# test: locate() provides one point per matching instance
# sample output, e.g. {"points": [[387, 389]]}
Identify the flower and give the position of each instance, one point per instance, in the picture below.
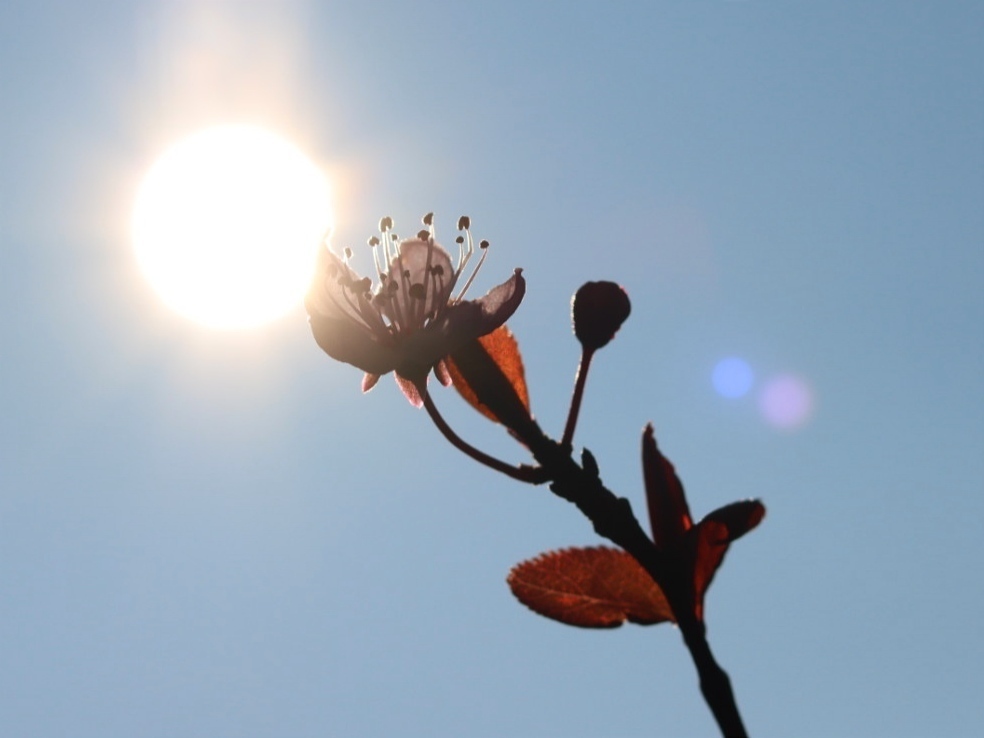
{"points": [[412, 319], [696, 551]]}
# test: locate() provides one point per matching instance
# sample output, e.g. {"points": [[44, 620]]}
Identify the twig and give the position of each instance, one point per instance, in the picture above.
{"points": [[526, 474]]}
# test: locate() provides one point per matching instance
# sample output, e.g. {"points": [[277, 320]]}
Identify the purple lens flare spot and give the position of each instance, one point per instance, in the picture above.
{"points": [[786, 402]]}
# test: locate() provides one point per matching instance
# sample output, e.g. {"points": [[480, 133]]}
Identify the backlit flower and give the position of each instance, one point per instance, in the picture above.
{"points": [[413, 318]]}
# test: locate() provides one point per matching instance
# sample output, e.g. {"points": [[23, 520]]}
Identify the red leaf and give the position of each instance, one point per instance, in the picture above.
{"points": [[492, 375], [669, 514], [713, 536], [596, 587], [738, 517]]}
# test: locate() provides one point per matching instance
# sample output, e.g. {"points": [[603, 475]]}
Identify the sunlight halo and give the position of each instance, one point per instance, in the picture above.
{"points": [[227, 223]]}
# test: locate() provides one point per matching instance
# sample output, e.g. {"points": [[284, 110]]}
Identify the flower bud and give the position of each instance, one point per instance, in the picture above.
{"points": [[598, 310]]}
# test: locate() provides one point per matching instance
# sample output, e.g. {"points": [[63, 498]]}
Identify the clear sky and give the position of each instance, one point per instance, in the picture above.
{"points": [[215, 534]]}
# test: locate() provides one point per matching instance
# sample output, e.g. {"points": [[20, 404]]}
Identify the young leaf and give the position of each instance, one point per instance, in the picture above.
{"points": [[597, 587], [669, 514], [488, 373], [713, 536], [739, 517]]}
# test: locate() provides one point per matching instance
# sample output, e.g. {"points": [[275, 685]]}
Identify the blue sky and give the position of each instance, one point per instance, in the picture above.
{"points": [[216, 534]]}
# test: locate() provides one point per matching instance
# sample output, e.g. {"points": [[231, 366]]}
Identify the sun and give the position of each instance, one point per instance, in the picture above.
{"points": [[227, 223]]}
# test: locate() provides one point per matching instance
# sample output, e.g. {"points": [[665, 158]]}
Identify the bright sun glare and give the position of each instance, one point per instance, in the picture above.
{"points": [[227, 224]]}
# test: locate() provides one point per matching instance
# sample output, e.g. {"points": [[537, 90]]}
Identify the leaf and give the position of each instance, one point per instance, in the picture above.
{"points": [[669, 514], [597, 587], [738, 517], [489, 375], [713, 536]]}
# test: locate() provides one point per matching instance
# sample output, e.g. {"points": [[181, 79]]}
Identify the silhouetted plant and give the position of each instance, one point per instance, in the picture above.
{"points": [[413, 324]]}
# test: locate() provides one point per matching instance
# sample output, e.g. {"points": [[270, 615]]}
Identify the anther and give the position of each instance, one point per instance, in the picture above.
{"points": [[348, 253], [483, 244], [428, 219], [464, 223], [385, 224], [459, 240], [418, 291], [423, 235], [373, 241]]}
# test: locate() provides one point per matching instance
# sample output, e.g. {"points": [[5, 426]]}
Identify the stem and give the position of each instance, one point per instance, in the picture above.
{"points": [[613, 518], [523, 474], [714, 682], [582, 376]]}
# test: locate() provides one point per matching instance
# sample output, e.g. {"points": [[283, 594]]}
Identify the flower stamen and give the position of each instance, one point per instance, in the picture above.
{"points": [[484, 246], [354, 291]]}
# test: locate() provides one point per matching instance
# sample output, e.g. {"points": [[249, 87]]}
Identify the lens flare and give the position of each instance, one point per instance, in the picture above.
{"points": [[786, 402], [732, 377]]}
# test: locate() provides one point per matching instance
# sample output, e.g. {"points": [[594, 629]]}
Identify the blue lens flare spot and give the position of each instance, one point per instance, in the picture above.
{"points": [[732, 377]]}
